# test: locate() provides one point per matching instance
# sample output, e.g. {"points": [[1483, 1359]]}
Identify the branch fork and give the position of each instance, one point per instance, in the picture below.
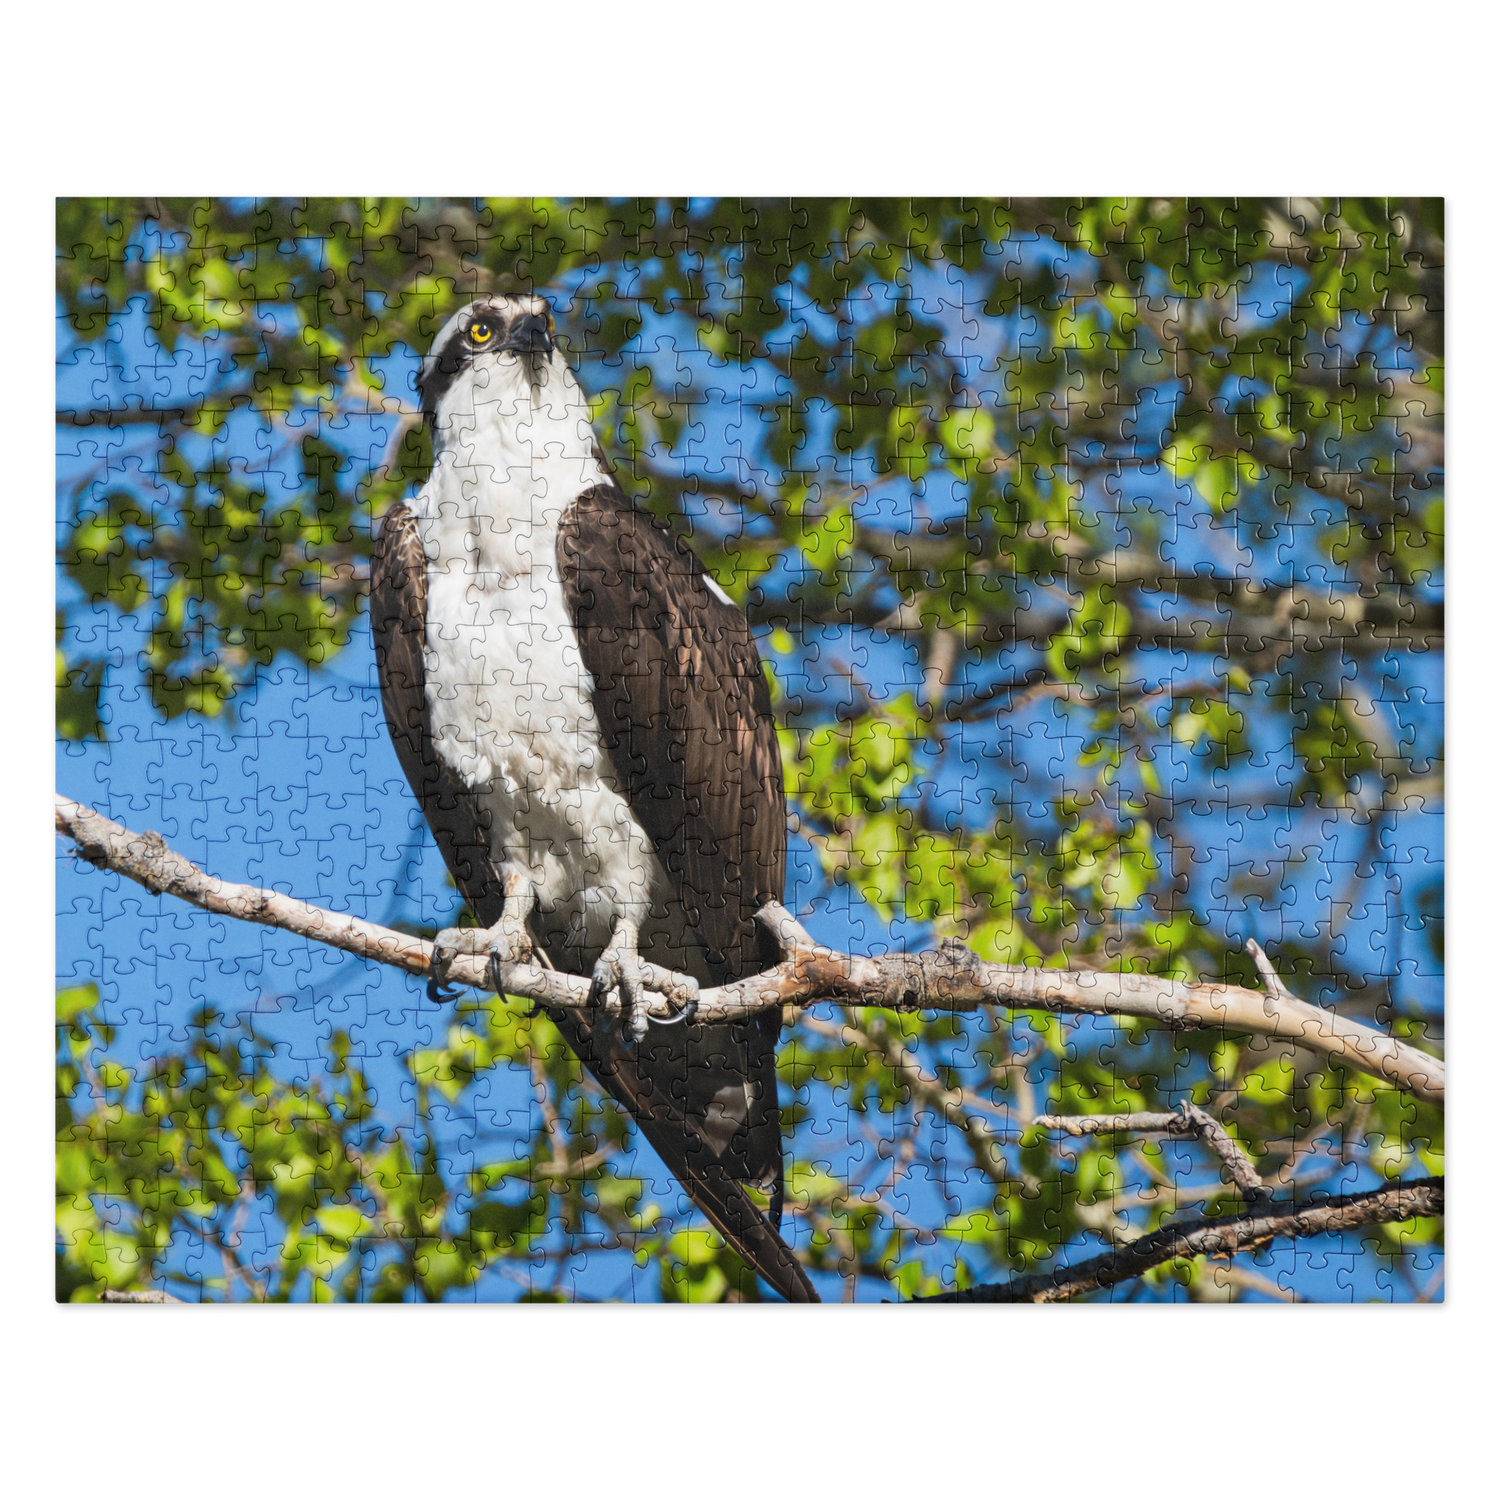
{"points": [[1190, 1120]]}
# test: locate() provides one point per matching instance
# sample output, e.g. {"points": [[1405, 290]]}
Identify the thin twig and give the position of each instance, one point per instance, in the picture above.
{"points": [[1268, 974], [1181, 1192], [568, 1171], [1190, 1119], [556, 1137], [1228, 1150], [1255, 1282], [954, 1104]]}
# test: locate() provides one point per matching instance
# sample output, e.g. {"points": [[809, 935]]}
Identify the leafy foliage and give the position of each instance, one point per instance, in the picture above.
{"points": [[287, 1190], [197, 1145], [1154, 485]]}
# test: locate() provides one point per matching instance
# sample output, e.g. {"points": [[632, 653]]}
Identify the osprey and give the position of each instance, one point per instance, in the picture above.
{"points": [[581, 713]]}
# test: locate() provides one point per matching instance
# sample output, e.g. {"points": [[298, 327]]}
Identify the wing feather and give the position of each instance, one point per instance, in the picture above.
{"points": [[686, 715]]}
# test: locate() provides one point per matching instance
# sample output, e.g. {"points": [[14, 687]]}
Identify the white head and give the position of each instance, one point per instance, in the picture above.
{"points": [[496, 361]]}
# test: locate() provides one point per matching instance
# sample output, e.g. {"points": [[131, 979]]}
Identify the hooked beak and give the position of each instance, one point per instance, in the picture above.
{"points": [[529, 334]]}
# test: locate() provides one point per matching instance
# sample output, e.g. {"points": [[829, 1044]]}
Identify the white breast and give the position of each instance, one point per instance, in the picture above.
{"points": [[509, 697]]}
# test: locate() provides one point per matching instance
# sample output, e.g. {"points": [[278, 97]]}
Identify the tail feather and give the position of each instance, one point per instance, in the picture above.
{"points": [[747, 1231], [722, 1200]]}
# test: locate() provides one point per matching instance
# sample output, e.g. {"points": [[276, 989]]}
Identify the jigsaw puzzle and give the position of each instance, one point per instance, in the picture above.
{"points": [[721, 750]]}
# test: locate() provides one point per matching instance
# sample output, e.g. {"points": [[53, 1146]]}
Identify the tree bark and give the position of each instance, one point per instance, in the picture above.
{"points": [[949, 978]]}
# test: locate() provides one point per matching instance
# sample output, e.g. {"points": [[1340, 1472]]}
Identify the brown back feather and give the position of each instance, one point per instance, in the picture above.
{"points": [[686, 715]]}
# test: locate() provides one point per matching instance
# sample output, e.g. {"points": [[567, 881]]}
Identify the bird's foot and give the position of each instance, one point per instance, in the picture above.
{"points": [[620, 967], [507, 942]]}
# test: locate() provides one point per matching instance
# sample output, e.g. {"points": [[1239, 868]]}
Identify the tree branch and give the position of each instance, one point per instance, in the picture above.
{"points": [[1191, 1120], [1217, 1237], [1267, 971], [950, 978]]}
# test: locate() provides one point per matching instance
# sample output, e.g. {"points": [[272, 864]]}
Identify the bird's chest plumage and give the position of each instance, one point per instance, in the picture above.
{"points": [[511, 701]]}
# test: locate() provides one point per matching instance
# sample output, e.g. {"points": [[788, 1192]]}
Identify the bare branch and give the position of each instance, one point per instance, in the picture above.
{"points": [[950, 978], [1217, 1237], [1229, 1151], [113, 1296], [1142, 1124], [1190, 1120], [1269, 977], [146, 859]]}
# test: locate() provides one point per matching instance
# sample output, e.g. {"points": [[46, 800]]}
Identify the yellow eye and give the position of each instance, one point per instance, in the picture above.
{"points": [[480, 332]]}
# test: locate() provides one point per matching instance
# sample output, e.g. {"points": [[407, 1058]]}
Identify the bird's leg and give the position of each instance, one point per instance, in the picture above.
{"points": [[507, 942], [621, 967]]}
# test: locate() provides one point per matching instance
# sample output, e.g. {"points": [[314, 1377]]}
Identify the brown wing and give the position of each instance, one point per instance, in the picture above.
{"points": [[685, 712], [686, 715], [642, 1084]]}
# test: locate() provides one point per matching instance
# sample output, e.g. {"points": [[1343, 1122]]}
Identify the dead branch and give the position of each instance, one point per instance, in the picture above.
{"points": [[1141, 1124], [1216, 1237], [113, 1296], [1190, 1120], [1267, 970], [949, 978], [1229, 1151]]}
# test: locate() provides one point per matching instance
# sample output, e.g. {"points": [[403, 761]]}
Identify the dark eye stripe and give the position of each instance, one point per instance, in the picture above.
{"points": [[455, 356]]}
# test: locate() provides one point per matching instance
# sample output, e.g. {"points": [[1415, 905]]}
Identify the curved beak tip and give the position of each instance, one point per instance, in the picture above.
{"points": [[530, 335]]}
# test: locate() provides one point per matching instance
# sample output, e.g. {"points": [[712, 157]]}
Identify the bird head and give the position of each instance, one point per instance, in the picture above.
{"points": [[489, 343]]}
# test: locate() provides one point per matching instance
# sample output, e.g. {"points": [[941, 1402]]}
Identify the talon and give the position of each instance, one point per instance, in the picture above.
{"points": [[601, 983], [446, 946], [620, 966], [507, 942], [689, 1000], [633, 996], [619, 969], [439, 993]]}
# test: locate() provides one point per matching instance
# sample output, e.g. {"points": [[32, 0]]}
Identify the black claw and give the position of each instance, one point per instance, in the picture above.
{"points": [[497, 979], [438, 993], [686, 1014], [494, 975]]}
